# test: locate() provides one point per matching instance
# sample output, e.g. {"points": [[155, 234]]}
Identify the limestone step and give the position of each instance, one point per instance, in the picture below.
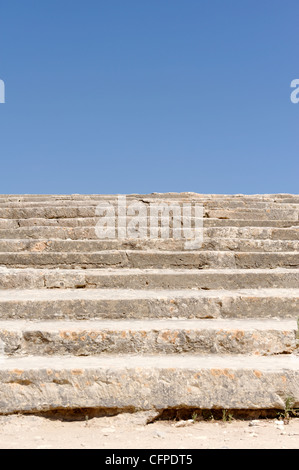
{"points": [[86, 304], [141, 382], [84, 338], [54, 211], [153, 194], [88, 246], [89, 233], [211, 198], [212, 227], [151, 259], [30, 278], [93, 221], [90, 222], [208, 204]]}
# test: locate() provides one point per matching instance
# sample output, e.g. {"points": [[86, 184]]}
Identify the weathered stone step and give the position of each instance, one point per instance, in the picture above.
{"points": [[67, 211], [133, 382], [30, 278], [90, 222], [83, 338], [89, 233], [209, 204], [219, 229], [93, 221], [87, 246], [151, 259], [85, 304], [279, 198]]}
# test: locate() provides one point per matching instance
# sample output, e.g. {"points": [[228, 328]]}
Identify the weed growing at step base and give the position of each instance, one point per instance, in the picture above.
{"points": [[206, 415], [289, 410], [226, 416]]}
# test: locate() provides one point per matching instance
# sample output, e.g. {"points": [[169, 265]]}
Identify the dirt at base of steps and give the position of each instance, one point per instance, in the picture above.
{"points": [[129, 431]]}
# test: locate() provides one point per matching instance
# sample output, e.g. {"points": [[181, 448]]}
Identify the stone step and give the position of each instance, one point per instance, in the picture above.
{"points": [[151, 259], [84, 338], [86, 304], [89, 233], [87, 246], [210, 279], [68, 211], [278, 198], [91, 222], [209, 204], [141, 382], [282, 230]]}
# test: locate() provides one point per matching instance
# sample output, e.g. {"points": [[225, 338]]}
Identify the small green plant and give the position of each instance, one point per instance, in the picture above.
{"points": [[226, 416], [289, 410], [205, 415], [289, 403]]}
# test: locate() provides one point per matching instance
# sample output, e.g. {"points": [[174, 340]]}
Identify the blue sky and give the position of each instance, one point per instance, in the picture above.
{"points": [[123, 96]]}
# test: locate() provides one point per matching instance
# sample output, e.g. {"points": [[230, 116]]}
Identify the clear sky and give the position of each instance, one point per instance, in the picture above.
{"points": [[123, 96]]}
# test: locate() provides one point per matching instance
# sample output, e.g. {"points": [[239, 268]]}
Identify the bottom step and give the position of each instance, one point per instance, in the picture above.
{"points": [[34, 384]]}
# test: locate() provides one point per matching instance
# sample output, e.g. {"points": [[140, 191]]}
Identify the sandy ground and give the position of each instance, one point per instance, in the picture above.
{"points": [[127, 431]]}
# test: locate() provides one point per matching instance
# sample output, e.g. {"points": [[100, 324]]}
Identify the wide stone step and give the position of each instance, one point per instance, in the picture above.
{"points": [[86, 304], [273, 231], [141, 382], [153, 194], [29, 278], [83, 338], [211, 198], [209, 204], [218, 229], [87, 246], [68, 211], [151, 259], [93, 221], [90, 222]]}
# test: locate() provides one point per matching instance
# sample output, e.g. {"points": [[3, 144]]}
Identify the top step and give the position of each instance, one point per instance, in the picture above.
{"points": [[155, 194], [185, 196], [171, 198]]}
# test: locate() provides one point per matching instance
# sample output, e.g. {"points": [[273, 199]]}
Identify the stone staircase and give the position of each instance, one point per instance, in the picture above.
{"points": [[144, 324]]}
